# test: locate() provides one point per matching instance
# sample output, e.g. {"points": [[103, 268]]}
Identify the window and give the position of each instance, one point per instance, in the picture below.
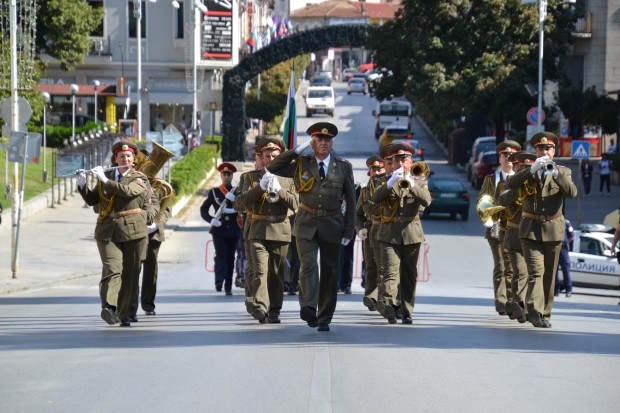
{"points": [[179, 24], [133, 27], [99, 30]]}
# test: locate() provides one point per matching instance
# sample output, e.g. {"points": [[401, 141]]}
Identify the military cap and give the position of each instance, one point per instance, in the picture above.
{"points": [[375, 161], [385, 151], [544, 138], [525, 157], [508, 147], [227, 167], [325, 129], [268, 143], [124, 146], [402, 149]]}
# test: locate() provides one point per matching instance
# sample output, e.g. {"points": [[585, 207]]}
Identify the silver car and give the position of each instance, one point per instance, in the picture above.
{"points": [[356, 85]]}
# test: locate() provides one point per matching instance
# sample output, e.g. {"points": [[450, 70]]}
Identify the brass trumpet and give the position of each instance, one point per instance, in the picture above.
{"points": [[486, 207], [272, 194], [401, 187]]}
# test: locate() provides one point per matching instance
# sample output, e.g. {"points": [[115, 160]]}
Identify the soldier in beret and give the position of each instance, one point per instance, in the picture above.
{"points": [[224, 228], [125, 208], [323, 182], [493, 186], [366, 224], [544, 185], [270, 200], [511, 199]]}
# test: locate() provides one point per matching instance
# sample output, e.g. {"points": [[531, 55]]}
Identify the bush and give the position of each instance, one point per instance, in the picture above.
{"points": [[189, 171]]}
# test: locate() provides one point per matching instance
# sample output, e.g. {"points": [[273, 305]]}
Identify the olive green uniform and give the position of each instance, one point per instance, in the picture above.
{"points": [[319, 225], [400, 235], [124, 211], [246, 182], [269, 235], [542, 231]]}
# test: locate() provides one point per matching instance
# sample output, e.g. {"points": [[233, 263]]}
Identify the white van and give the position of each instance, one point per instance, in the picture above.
{"points": [[392, 114], [320, 99]]}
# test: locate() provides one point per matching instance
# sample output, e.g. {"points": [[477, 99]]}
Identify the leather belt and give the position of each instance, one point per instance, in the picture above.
{"points": [[320, 212], [270, 218], [542, 218], [403, 219], [376, 221], [120, 214], [513, 225]]}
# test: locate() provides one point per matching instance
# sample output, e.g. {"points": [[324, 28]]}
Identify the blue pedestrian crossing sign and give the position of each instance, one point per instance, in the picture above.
{"points": [[580, 150]]}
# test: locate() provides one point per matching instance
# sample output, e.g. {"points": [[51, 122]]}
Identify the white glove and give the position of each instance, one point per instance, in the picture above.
{"points": [[396, 175], [538, 163], [151, 228], [345, 242], [216, 223], [264, 181], [362, 234], [230, 196], [411, 180], [276, 185], [300, 148], [98, 170], [81, 178], [230, 211]]}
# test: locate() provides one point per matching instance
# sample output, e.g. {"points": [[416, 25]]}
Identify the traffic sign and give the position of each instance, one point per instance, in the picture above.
{"points": [[581, 150], [24, 143], [533, 114]]}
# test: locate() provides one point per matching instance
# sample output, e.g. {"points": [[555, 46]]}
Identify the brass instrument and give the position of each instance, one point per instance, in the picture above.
{"points": [[272, 194], [420, 170], [401, 187], [549, 167], [486, 207], [150, 166]]}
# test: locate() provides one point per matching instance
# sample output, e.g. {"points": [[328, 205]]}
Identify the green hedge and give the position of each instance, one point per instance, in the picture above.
{"points": [[189, 171]]}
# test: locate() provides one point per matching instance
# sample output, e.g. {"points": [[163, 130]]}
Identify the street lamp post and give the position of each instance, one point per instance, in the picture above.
{"points": [[199, 8], [542, 15], [96, 84], [74, 90], [46, 99]]}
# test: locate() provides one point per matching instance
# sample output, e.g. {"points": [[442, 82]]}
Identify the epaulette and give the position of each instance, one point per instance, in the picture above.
{"points": [[560, 166], [342, 160], [139, 173]]}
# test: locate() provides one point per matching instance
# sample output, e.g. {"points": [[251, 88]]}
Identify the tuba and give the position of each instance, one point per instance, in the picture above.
{"points": [[150, 166], [486, 207]]}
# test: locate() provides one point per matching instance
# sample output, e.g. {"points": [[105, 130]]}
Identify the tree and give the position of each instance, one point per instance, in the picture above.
{"points": [[460, 57], [63, 30]]}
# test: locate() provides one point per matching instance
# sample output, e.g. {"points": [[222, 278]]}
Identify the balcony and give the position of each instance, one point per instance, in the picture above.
{"points": [[583, 27], [100, 46]]}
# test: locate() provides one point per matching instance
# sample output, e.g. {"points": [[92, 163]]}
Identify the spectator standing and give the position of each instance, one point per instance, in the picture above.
{"points": [[604, 167], [586, 176], [564, 263]]}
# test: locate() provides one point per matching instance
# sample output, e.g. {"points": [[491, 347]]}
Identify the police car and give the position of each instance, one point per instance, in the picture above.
{"points": [[591, 261]]}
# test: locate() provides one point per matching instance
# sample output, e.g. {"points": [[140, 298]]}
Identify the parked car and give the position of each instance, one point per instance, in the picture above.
{"points": [[320, 80], [419, 149], [591, 261], [347, 74], [356, 85], [486, 164], [449, 197], [328, 75], [397, 132], [481, 144]]}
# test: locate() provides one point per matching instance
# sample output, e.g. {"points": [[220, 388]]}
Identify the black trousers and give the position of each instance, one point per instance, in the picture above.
{"points": [[225, 249]]}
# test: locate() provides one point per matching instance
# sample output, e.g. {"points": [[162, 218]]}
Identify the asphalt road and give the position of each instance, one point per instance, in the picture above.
{"points": [[203, 353]]}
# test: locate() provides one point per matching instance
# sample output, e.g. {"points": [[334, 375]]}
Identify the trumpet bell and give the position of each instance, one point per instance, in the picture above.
{"points": [[420, 169], [486, 208]]}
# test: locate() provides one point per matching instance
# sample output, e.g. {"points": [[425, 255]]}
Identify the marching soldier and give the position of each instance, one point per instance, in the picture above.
{"points": [[224, 228], [492, 186], [323, 182], [270, 232], [367, 222], [400, 234], [125, 210], [512, 199], [246, 182], [544, 185]]}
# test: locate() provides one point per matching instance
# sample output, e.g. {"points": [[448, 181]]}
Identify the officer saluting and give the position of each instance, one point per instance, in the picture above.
{"points": [[224, 227], [323, 182], [544, 185]]}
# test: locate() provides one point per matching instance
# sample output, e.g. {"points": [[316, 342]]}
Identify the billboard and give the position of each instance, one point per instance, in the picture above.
{"points": [[219, 40]]}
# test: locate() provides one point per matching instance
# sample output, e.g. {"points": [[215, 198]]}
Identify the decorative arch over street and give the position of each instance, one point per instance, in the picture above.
{"points": [[233, 111]]}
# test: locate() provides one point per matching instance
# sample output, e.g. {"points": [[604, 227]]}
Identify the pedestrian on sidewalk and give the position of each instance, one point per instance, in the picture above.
{"points": [[604, 167]]}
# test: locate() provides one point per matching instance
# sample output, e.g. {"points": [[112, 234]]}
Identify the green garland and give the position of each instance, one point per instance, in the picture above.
{"points": [[233, 111]]}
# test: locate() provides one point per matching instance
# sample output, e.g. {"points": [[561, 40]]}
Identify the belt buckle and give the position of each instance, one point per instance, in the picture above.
{"points": [[272, 218], [320, 212]]}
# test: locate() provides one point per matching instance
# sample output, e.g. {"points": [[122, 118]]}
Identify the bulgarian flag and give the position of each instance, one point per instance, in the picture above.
{"points": [[290, 119]]}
